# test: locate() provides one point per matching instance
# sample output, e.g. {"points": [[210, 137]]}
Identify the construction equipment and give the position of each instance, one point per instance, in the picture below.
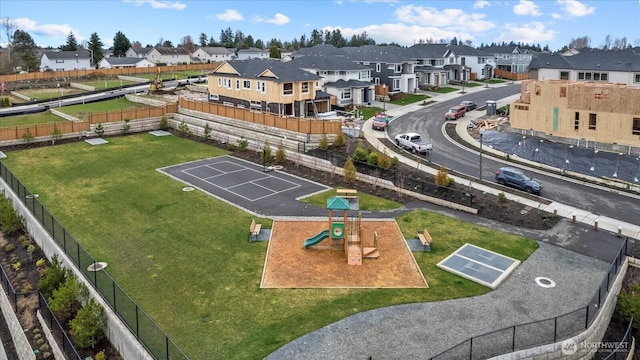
{"points": [[156, 84]]}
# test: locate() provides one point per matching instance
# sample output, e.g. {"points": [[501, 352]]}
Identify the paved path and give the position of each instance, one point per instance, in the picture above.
{"points": [[575, 256]]}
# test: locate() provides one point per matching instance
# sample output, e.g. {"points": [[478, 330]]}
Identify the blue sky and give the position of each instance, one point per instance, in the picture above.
{"points": [[545, 22]]}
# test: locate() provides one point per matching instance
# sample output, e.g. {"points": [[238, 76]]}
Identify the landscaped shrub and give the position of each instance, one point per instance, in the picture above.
{"points": [[99, 130], [339, 141], [53, 277], [27, 137], [56, 135], [243, 143], [629, 304], [184, 130], [265, 155], [126, 127], [281, 154], [350, 172], [384, 160], [502, 198], [442, 177], [372, 159], [324, 142], [9, 248], [66, 298], [206, 134], [164, 123], [10, 221], [360, 154], [87, 327]]}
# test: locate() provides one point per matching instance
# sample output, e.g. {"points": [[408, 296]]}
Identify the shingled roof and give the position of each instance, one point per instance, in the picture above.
{"points": [[590, 59], [254, 68]]}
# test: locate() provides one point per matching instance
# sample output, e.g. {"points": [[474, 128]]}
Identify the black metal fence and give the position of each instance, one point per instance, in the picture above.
{"points": [[401, 179], [139, 323], [537, 333], [66, 346], [619, 350]]}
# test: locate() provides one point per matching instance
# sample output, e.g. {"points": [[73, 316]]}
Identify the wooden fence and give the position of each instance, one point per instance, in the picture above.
{"points": [[304, 126], [511, 75], [204, 68], [132, 114], [38, 130]]}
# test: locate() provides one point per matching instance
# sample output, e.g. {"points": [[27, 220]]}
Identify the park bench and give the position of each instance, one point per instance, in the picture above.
{"points": [[425, 239], [254, 229], [347, 193]]}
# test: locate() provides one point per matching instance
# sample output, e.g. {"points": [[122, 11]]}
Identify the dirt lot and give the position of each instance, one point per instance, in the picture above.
{"points": [[290, 265]]}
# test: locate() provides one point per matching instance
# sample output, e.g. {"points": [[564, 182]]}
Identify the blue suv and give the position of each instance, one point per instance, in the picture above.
{"points": [[518, 179]]}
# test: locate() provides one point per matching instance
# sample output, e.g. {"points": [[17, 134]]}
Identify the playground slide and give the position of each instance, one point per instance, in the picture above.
{"points": [[316, 239]]}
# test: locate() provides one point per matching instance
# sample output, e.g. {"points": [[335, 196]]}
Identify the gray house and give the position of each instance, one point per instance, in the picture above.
{"points": [[65, 60]]}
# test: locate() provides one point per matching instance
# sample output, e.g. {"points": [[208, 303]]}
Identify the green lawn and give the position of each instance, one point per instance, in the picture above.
{"points": [[445, 89], [82, 111], [366, 202], [107, 84], [53, 93], [44, 117], [185, 258], [410, 99]]}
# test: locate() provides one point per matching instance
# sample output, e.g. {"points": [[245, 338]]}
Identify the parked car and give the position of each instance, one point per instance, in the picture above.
{"points": [[518, 179], [413, 142], [380, 122], [455, 112], [469, 105]]}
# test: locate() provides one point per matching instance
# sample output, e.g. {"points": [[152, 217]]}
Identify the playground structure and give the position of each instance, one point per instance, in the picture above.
{"points": [[347, 233]]}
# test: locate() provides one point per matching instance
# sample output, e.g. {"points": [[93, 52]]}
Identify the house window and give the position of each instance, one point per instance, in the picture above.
{"points": [[237, 84], [576, 121], [219, 82], [226, 103], [246, 84], [378, 67], [59, 61], [256, 104], [563, 91], [396, 84], [240, 106], [261, 86], [398, 68], [365, 63], [287, 89], [636, 78], [564, 75], [604, 77], [214, 97], [592, 121], [376, 81], [305, 88], [580, 76], [636, 126], [346, 93]]}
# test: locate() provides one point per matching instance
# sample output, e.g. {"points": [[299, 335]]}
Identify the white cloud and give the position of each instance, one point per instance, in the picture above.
{"points": [[526, 7], [480, 4], [531, 33], [278, 19], [47, 30], [230, 15], [556, 15], [403, 34], [575, 8], [449, 19], [158, 4]]}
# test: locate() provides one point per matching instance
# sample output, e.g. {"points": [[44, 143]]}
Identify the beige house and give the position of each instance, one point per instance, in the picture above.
{"points": [[268, 85], [579, 112]]}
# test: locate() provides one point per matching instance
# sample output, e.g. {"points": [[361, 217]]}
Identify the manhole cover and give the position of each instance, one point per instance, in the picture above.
{"points": [[188, 188], [97, 266], [545, 282]]}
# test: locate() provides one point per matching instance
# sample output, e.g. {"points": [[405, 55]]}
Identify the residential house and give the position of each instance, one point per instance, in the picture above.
{"points": [[169, 55], [509, 58], [253, 53], [429, 67], [124, 62], [208, 54], [465, 62], [140, 53], [579, 112], [347, 81], [610, 66], [267, 85], [391, 67], [65, 60]]}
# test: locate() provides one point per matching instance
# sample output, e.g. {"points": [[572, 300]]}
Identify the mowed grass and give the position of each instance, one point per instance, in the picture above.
{"points": [[45, 117], [82, 111], [185, 258], [52, 93], [107, 84], [366, 202]]}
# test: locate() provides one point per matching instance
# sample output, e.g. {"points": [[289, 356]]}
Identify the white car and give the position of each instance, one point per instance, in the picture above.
{"points": [[413, 142]]}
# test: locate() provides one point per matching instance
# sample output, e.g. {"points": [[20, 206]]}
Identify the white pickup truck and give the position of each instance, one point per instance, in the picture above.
{"points": [[413, 142]]}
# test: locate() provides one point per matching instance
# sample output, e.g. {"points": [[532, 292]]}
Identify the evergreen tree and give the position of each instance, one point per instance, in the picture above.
{"points": [[202, 39], [95, 45], [120, 44], [71, 45]]}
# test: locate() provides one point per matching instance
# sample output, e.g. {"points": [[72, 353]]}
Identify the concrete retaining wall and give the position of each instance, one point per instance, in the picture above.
{"points": [[23, 348], [82, 86], [55, 349], [145, 100], [117, 332], [64, 116], [593, 334], [134, 79]]}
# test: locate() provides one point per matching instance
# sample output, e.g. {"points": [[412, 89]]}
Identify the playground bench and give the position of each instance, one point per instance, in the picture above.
{"points": [[425, 239], [254, 229]]}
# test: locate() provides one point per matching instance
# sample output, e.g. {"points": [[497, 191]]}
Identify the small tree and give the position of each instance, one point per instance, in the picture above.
{"points": [[266, 152], [372, 159], [65, 299], [281, 154], [164, 123], [339, 140], [384, 160], [27, 137], [324, 142], [629, 304], [56, 135], [126, 127], [350, 171], [184, 129], [10, 220], [206, 134], [442, 177], [99, 130], [53, 277], [87, 327], [243, 143]]}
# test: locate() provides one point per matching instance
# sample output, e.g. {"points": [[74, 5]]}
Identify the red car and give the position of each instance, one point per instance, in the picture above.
{"points": [[455, 112], [380, 122]]}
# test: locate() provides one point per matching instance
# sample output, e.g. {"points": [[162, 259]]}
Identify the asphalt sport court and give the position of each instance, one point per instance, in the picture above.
{"points": [[242, 183]]}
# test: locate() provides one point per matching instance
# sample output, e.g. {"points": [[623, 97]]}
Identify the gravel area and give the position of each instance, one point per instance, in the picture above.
{"points": [[419, 331]]}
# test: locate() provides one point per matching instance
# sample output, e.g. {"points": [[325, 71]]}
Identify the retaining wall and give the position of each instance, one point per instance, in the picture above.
{"points": [[23, 348]]}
